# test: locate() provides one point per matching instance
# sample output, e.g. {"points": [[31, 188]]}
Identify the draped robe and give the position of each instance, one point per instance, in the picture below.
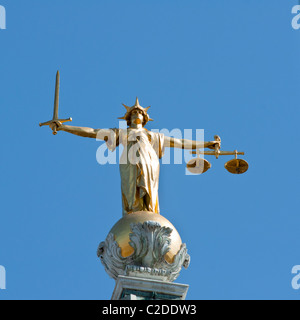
{"points": [[139, 167]]}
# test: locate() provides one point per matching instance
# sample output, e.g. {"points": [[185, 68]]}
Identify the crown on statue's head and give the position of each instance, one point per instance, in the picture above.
{"points": [[137, 105]]}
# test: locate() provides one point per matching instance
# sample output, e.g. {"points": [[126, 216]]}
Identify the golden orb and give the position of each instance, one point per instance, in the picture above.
{"points": [[121, 231]]}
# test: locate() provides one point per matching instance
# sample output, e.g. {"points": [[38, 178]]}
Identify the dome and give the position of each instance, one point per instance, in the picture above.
{"points": [[121, 231]]}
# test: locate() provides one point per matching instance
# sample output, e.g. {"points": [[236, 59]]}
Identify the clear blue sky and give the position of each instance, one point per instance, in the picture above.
{"points": [[229, 67]]}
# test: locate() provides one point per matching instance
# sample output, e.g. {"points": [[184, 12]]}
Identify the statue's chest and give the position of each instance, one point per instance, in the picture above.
{"points": [[132, 137]]}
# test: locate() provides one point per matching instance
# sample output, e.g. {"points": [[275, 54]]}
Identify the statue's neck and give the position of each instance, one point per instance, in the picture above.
{"points": [[136, 126]]}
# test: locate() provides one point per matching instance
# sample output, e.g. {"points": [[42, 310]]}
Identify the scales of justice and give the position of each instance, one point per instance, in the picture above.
{"points": [[143, 251]]}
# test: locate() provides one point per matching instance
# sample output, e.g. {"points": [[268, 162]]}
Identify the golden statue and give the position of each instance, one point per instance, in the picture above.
{"points": [[143, 242], [139, 163]]}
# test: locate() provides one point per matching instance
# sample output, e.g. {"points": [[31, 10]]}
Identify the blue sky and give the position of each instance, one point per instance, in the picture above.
{"points": [[228, 67]]}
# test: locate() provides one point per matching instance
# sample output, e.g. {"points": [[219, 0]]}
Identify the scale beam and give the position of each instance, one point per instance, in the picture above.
{"points": [[221, 153]]}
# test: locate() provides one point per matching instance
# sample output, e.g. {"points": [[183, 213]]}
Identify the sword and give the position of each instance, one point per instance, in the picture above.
{"points": [[56, 104]]}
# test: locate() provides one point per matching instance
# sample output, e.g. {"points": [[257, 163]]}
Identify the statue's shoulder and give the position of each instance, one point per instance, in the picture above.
{"points": [[119, 131], [155, 133]]}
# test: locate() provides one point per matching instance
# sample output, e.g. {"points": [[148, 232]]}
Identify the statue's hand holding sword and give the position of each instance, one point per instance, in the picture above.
{"points": [[55, 123]]}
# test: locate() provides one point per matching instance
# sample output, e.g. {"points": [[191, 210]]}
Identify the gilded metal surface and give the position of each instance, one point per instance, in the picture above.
{"points": [[139, 166], [217, 146], [237, 166], [198, 165], [130, 110], [121, 231], [139, 180], [150, 242], [220, 153], [53, 123], [56, 96]]}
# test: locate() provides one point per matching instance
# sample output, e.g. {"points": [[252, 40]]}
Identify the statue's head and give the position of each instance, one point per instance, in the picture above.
{"points": [[136, 114]]}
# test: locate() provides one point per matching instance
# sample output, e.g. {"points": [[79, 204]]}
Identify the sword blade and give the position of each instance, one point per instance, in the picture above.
{"points": [[56, 98]]}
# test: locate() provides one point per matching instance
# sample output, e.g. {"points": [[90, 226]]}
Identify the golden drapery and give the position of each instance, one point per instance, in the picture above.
{"points": [[139, 167]]}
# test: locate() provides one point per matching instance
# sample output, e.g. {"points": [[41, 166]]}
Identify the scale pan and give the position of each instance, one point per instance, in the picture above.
{"points": [[237, 166], [198, 166]]}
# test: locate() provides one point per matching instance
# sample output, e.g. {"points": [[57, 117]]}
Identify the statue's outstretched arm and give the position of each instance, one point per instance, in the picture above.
{"points": [[188, 144], [82, 131]]}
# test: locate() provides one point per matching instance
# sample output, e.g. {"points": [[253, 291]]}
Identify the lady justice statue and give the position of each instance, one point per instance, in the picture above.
{"points": [[139, 163], [143, 251]]}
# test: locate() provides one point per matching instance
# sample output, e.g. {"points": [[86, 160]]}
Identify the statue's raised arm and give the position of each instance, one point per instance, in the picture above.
{"points": [[81, 131], [190, 144]]}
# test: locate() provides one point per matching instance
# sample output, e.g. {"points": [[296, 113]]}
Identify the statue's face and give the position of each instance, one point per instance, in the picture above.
{"points": [[137, 116]]}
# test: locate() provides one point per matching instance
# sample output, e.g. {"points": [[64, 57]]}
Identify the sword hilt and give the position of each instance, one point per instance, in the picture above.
{"points": [[53, 121]]}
